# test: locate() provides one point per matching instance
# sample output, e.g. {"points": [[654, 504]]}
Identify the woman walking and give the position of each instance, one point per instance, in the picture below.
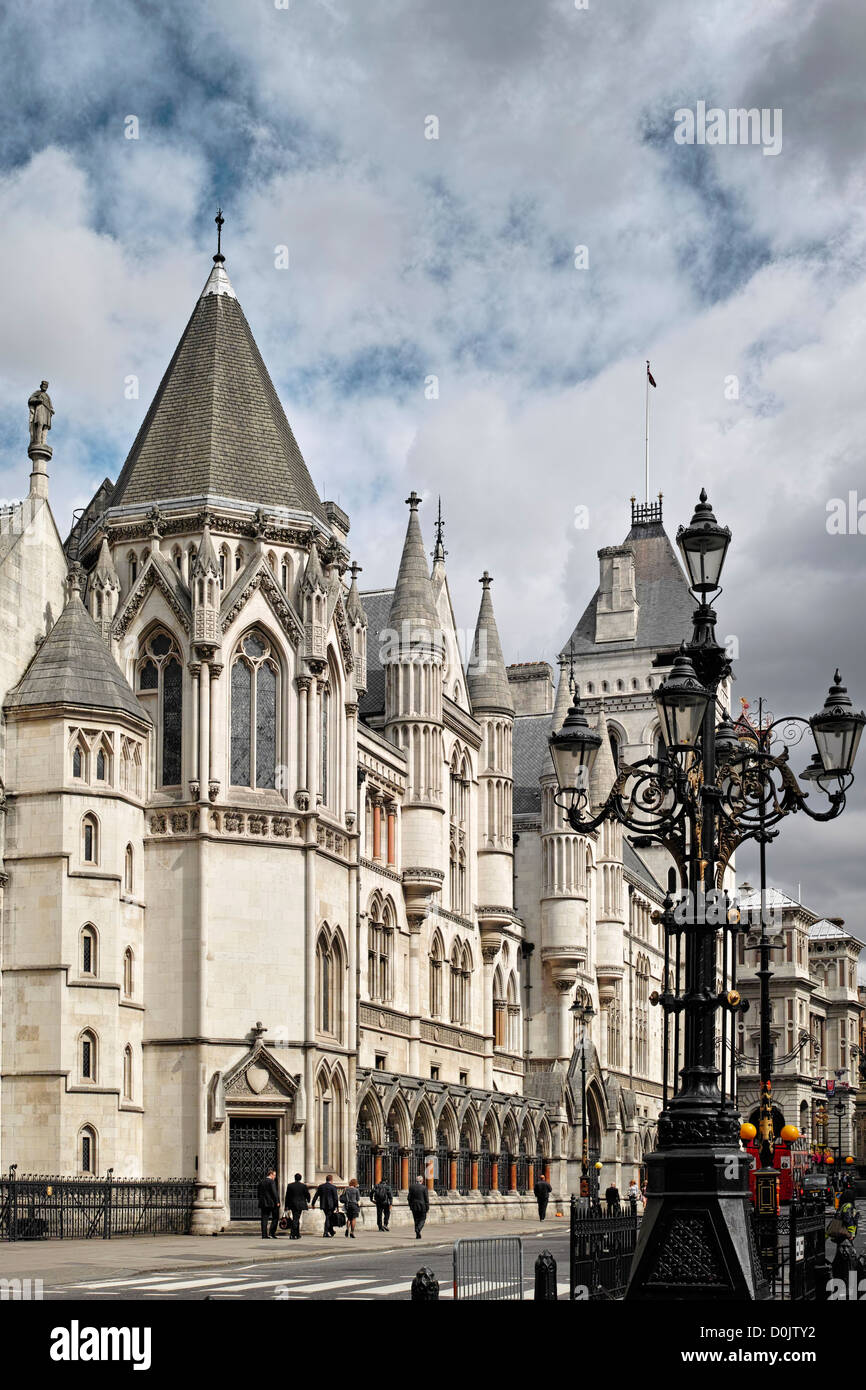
{"points": [[351, 1202]]}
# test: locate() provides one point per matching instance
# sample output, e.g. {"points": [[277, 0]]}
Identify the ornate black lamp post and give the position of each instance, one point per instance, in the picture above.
{"points": [[584, 1012], [709, 793]]}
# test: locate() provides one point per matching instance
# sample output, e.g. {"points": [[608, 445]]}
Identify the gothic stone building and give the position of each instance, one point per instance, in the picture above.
{"points": [[281, 878]]}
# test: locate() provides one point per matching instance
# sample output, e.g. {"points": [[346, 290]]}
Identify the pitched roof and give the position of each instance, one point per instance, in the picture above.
{"points": [[531, 760], [216, 426], [665, 606], [634, 864], [74, 666], [377, 607], [486, 677]]}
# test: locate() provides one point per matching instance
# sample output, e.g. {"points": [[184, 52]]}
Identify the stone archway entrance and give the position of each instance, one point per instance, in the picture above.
{"points": [[254, 1148]]}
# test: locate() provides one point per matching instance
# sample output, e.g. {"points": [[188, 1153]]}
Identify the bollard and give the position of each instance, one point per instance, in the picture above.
{"points": [[425, 1286], [545, 1276]]}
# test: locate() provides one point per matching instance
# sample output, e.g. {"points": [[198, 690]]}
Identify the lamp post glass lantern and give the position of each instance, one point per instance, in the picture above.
{"points": [[709, 792]]}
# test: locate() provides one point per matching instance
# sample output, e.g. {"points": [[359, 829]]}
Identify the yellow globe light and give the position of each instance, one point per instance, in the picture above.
{"points": [[829, 1159], [747, 1132], [789, 1133], [598, 1167], [849, 1159]]}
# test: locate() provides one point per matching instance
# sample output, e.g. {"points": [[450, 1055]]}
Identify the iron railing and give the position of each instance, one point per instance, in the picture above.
{"points": [[488, 1269], [601, 1250], [791, 1249], [45, 1207]]}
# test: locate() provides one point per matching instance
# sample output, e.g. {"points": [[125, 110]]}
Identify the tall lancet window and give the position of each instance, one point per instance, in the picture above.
{"points": [[254, 695], [160, 674], [326, 744]]}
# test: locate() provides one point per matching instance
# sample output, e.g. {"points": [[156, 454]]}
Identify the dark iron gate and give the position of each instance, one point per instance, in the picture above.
{"points": [[253, 1149], [464, 1167], [485, 1170], [35, 1207], [601, 1250], [791, 1248]]}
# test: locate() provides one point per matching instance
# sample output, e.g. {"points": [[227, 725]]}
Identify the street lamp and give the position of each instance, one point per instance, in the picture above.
{"points": [[710, 792], [584, 1012]]}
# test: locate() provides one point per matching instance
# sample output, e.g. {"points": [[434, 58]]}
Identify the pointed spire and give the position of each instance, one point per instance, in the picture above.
{"points": [[206, 561], [604, 767], [564, 689], [439, 551], [486, 676], [354, 608], [105, 575], [313, 575], [413, 592]]}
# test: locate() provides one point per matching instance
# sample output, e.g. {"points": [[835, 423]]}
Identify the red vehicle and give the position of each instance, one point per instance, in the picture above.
{"points": [[793, 1161]]}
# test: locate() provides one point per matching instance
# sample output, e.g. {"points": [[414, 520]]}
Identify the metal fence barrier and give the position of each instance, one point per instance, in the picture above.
{"points": [[601, 1250], [791, 1248], [488, 1268], [43, 1207]]}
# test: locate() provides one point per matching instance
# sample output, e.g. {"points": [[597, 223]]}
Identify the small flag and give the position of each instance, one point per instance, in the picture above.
{"points": [[649, 376]]}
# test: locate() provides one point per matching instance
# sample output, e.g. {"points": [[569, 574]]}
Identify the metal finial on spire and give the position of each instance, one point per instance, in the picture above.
{"points": [[413, 501], [439, 551], [219, 258], [571, 680], [486, 580], [355, 569]]}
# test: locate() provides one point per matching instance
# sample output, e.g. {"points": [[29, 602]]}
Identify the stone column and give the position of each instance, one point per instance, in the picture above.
{"points": [[404, 1170], [303, 718], [564, 988], [313, 742], [494, 1175], [512, 1175], [196, 787], [377, 826], [377, 1165], [488, 956], [530, 1175], [414, 994], [204, 728], [213, 783], [452, 1172], [473, 1180], [429, 1156], [392, 835]]}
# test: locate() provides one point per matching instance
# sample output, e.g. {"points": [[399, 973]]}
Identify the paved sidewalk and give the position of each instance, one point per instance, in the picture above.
{"points": [[65, 1261]]}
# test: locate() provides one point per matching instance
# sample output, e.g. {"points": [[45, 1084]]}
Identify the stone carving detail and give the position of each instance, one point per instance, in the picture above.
{"points": [[263, 579], [41, 411], [146, 581], [677, 1130]]}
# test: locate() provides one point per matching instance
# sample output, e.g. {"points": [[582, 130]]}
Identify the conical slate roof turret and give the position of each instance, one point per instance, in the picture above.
{"points": [[314, 577], [354, 608], [486, 676], [216, 426], [413, 592], [74, 666]]}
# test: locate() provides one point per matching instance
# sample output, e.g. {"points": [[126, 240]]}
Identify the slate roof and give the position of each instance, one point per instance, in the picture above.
{"points": [[634, 864], [531, 759], [73, 666], [665, 604], [377, 607], [413, 593], [216, 426]]}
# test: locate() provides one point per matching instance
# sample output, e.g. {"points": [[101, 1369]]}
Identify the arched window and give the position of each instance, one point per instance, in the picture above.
{"points": [[255, 701], [239, 559], [160, 675], [285, 576], [87, 1056], [325, 786], [380, 947], [90, 839], [132, 567], [79, 760], [127, 1073], [128, 870], [329, 984], [87, 1149], [128, 972], [512, 1031], [224, 565], [330, 1093], [87, 954], [500, 1012], [100, 765], [436, 961]]}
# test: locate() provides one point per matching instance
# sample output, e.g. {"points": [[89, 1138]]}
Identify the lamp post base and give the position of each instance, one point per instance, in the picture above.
{"points": [[696, 1238]]}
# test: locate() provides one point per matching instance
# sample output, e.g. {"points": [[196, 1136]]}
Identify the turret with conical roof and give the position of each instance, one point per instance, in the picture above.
{"points": [[493, 707], [411, 654]]}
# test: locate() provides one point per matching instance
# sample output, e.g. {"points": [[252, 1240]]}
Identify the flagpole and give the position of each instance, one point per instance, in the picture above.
{"points": [[646, 437]]}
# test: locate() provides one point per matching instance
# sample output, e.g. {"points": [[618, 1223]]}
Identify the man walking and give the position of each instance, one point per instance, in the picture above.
{"points": [[384, 1198], [297, 1200], [269, 1204], [328, 1199], [611, 1196], [419, 1204], [542, 1191]]}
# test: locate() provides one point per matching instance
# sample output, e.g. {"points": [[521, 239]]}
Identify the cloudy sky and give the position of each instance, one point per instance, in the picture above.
{"points": [[741, 275]]}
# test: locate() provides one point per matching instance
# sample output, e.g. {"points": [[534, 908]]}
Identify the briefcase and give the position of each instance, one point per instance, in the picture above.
{"points": [[339, 1218]]}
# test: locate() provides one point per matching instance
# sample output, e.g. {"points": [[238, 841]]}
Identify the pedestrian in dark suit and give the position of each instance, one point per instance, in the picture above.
{"points": [[542, 1191], [384, 1199], [297, 1200], [269, 1204], [328, 1199], [419, 1204], [611, 1196]]}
